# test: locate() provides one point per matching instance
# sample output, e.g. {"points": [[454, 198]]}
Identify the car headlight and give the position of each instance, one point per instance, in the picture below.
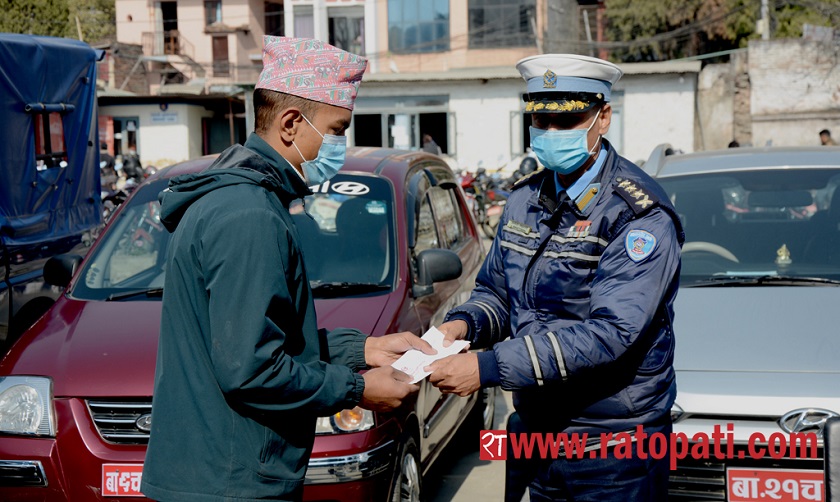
{"points": [[26, 406], [676, 413], [354, 420]]}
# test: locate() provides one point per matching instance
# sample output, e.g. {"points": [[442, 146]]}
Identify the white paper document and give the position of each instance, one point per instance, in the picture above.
{"points": [[413, 361]]}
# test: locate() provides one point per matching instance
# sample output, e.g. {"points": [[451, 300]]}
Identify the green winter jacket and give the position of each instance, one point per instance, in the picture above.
{"points": [[242, 369]]}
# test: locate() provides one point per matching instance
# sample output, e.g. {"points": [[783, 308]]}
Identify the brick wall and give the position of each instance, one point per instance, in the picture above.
{"points": [[794, 90]]}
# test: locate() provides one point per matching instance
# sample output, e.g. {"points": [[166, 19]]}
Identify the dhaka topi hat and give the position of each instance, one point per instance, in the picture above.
{"points": [[566, 83], [311, 69]]}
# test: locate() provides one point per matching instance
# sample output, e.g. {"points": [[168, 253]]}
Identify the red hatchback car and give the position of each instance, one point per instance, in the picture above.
{"points": [[390, 247]]}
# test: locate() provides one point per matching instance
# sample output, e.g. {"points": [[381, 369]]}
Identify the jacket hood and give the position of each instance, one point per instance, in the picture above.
{"points": [[236, 165]]}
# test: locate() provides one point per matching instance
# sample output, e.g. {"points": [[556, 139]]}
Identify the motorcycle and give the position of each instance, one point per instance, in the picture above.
{"points": [[113, 198], [485, 200]]}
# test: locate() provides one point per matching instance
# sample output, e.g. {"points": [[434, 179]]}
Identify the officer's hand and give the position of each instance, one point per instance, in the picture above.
{"points": [[453, 330], [386, 388], [384, 350], [456, 374]]}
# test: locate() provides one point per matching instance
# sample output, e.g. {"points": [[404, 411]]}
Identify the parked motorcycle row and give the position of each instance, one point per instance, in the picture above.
{"points": [[114, 193], [488, 194]]}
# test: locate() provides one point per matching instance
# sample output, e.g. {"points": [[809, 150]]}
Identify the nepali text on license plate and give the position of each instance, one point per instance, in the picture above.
{"points": [[778, 485], [121, 480]]}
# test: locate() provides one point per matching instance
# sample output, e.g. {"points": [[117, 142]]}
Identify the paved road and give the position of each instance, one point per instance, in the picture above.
{"points": [[458, 475]]}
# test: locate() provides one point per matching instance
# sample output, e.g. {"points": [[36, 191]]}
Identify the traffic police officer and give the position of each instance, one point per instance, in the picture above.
{"points": [[576, 295]]}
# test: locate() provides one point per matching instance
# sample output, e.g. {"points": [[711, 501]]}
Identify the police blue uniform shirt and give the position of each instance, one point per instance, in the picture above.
{"points": [[584, 288], [576, 190]]}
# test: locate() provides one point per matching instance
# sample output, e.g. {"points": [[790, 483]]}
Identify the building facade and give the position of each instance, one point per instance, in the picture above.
{"points": [[445, 68]]}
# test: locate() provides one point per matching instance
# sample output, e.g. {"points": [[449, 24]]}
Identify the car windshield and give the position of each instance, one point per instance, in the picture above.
{"points": [[346, 229], [759, 226]]}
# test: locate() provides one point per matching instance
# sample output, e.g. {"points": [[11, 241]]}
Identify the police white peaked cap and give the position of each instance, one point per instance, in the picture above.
{"points": [[566, 83]]}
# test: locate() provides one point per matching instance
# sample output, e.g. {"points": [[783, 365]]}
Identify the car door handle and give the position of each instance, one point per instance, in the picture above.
{"points": [[448, 403]]}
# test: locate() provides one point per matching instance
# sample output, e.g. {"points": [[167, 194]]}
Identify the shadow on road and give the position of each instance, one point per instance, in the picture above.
{"points": [[459, 474]]}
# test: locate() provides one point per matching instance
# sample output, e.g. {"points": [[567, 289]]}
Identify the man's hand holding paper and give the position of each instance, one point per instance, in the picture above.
{"points": [[415, 362]]}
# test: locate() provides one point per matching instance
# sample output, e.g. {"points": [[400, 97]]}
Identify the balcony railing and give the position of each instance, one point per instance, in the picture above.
{"points": [[166, 43], [231, 73]]}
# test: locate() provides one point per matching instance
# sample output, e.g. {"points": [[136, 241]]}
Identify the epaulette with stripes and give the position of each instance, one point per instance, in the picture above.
{"points": [[521, 182], [638, 199]]}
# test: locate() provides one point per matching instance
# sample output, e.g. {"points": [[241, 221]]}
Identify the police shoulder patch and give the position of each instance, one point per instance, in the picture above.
{"points": [[638, 198], [639, 244]]}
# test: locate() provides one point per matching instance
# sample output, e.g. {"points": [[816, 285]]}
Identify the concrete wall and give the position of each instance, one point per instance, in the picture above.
{"points": [[795, 91], [459, 54], [742, 117], [563, 27], [133, 18], [715, 95], [164, 138], [243, 46], [657, 109], [483, 126]]}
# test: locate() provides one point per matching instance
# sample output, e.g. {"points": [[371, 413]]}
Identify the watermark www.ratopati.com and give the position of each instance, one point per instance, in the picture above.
{"points": [[639, 444]]}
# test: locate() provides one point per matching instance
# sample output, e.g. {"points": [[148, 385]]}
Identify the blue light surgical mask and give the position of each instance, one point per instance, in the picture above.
{"points": [[562, 151], [330, 157]]}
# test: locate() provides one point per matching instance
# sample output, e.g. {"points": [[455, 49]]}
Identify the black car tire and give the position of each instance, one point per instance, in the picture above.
{"points": [[408, 482]]}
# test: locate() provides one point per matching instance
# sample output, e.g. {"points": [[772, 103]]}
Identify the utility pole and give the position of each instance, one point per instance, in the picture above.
{"points": [[765, 20], [79, 28]]}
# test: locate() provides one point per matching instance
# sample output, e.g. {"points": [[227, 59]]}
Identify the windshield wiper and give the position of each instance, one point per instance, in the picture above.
{"points": [[762, 280], [148, 292], [337, 289]]}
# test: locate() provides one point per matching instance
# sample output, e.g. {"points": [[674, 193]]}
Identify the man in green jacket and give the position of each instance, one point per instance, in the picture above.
{"points": [[242, 369]]}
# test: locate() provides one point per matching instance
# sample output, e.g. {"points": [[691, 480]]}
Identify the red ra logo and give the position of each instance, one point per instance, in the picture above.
{"points": [[493, 445]]}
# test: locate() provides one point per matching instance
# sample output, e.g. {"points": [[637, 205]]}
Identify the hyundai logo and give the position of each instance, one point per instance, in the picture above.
{"points": [[350, 188], [144, 423], [806, 420]]}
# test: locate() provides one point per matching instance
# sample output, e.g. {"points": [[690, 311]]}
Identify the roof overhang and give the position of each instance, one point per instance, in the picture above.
{"points": [[510, 72]]}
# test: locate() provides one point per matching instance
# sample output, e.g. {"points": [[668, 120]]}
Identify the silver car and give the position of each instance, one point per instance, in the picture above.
{"points": [[757, 332]]}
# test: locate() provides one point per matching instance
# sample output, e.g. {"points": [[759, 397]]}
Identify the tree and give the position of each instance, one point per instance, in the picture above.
{"points": [[654, 30], [97, 18], [57, 18], [789, 19], [36, 17]]}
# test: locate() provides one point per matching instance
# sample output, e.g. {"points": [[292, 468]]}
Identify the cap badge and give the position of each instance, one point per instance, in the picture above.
{"points": [[549, 80]]}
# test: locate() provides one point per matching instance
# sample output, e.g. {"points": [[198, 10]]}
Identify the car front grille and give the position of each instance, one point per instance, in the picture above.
{"points": [[117, 422], [699, 480]]}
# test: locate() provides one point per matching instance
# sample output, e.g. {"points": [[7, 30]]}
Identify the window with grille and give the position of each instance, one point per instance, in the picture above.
{"points": [[50, 149], [501, 23]]}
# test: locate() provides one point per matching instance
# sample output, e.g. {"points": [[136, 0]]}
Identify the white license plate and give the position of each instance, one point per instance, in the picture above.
{"points": [[121, 480], [778, 485]]}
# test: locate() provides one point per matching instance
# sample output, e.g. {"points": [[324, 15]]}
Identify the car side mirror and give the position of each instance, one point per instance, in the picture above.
{"points": [[435, 265], [60, 269]]}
